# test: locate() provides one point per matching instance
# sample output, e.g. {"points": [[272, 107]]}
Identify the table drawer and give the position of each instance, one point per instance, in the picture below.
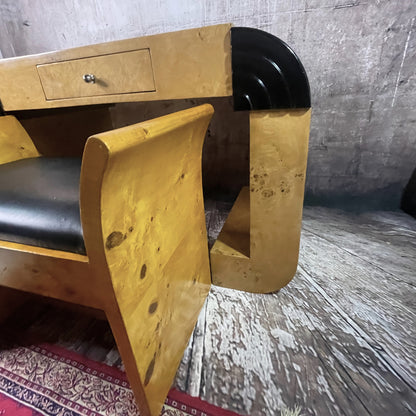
{"points": [[118, 73]]}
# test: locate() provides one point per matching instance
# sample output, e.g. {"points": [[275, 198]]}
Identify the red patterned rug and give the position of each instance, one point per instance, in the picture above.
{"points": [[48, 380]]}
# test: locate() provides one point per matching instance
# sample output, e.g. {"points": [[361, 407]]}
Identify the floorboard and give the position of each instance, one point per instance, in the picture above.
{"points": [[338, 340], [385, 240], [376, 302]]}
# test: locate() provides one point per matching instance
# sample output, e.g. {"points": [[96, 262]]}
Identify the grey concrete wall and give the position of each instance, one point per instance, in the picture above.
{"points": [[359, 55]]}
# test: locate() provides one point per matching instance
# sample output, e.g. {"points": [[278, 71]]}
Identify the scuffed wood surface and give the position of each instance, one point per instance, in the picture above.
{"points": [[370, 297], [387, 240], [338, 340]]}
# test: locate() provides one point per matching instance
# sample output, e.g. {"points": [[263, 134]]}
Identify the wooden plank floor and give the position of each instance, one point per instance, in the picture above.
{"points": [[338, 340]]}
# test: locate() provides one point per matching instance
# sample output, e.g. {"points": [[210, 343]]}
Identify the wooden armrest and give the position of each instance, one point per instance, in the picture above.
{"points": [[142, 214]]}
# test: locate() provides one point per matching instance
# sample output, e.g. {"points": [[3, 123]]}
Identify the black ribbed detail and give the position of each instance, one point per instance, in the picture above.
{"points": [[267, 73]]}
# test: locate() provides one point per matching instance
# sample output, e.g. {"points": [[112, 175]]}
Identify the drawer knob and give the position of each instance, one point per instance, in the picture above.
{"points": [[89, 78]]}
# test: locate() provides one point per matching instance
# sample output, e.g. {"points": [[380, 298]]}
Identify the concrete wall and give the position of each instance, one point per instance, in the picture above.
{"points": [[359, 55]]}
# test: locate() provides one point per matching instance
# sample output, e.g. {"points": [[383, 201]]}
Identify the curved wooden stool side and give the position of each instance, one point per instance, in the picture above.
{"points": [[141, 186]]}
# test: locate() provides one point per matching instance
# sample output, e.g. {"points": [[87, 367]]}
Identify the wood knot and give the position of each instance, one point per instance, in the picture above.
{"points": [[149, 371], [114, 239], [153, 307], [267, 193], [143, 271]]}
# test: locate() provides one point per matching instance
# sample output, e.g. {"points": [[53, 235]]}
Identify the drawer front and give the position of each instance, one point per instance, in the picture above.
{"points": [[118, 73]]}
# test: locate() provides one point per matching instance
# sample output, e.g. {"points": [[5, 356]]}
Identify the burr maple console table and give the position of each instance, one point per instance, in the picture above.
{"points": [[257, 249]]}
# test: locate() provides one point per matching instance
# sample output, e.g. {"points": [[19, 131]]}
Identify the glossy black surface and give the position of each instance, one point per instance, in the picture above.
{"points": [[408, 203], [39, 203], [267, 74]]}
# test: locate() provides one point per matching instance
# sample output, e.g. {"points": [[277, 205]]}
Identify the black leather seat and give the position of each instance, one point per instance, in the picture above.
{"points": [[39, 203]]}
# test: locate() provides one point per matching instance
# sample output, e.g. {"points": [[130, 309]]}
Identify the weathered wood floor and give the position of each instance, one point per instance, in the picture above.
{"points": [[338, 340]]}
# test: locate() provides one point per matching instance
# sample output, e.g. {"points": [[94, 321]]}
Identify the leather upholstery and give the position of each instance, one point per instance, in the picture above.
{"points": [[39, 203]]}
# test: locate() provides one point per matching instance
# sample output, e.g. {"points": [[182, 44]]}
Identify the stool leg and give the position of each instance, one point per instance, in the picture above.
{"points": [[125, 349], [257, 249], [10, 300]]}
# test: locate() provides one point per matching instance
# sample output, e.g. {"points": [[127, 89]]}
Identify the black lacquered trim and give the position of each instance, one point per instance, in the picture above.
{"points": [[267, 74]]}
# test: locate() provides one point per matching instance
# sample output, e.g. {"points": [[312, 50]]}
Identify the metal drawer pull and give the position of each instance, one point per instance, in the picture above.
{"points": [[89, 78]]}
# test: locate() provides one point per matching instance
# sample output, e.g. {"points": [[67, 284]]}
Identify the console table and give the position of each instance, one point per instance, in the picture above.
{"points": [[257, 249]]}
